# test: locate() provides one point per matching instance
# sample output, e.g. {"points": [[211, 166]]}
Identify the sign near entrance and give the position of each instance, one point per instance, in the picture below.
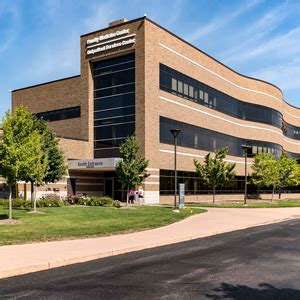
{"points": [[181, 195], [96, 164], [109, 41]]}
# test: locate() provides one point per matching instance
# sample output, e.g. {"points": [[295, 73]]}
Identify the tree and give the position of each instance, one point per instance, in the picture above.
{"points": [[267, 171], [14, 160], [50, 145], [215, 171], [288, 172], [264, 172], [37, 162], [131, 170]]}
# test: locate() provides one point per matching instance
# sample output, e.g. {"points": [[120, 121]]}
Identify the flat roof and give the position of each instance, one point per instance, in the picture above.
{"points": [[48, 82]]}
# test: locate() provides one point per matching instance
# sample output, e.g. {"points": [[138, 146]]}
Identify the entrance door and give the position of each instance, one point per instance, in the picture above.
{"points": [[109, 187]]}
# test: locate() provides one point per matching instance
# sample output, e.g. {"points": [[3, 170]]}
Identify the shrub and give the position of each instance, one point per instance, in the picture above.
{"points": [[49, 203], [96, 201], [117, 203], [17, 203], [72, 200], [52, 196]]}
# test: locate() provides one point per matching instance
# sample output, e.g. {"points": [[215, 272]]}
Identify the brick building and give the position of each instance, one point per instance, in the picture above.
{"points": [[136, 76]]}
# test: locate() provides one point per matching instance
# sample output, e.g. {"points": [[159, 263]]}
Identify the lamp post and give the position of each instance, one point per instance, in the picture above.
{"points": [[246, 148], [175, 133]]}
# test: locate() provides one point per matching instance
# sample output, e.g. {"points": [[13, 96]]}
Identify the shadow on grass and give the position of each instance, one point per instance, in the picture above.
{"points": [[264, 291], [3, 216]]}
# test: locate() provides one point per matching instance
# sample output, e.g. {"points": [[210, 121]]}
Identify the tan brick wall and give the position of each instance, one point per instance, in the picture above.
{"points": [[188, 60], [51, 96]]}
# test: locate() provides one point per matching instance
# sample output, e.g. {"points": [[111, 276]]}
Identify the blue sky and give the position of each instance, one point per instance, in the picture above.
{"points": [[40, 39]]}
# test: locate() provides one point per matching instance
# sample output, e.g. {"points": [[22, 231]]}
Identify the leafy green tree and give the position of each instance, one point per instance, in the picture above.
{"points": [[131, 170], [215, 171], [14, 160], [37, 162], [56, 164], [263, 170], [269, 172], [288, 172]]}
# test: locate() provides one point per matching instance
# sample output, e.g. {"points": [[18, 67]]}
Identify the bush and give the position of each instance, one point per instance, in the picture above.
{"points": [[52, 196], [72, 200], [49, 203], [95, 201], [17, 203], [117, 203]]}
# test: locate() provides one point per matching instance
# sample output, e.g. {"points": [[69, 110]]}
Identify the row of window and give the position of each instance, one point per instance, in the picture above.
{"points": [[184, 86], [195, 186], [114, 102], [205, 139], [114, 99], [60, 114]]}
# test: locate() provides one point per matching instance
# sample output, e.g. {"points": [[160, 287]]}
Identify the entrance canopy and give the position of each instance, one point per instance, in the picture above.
{"points": [[97, 164]]}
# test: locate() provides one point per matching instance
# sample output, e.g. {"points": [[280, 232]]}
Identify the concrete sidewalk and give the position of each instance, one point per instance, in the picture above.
{"points": [[22, 259]]}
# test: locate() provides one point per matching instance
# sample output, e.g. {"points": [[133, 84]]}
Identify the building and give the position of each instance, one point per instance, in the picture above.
{"points": [[136, 76]]}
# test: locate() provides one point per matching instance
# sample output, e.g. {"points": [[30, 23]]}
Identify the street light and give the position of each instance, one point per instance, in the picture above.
{"points": [[175, 133], [246, 148]]}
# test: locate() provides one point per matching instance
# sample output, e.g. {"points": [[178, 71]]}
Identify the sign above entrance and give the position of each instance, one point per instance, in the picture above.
{"points": [[96, 164], [109, 41]]}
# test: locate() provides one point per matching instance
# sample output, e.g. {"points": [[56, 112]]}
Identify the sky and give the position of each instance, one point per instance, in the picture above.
{"points": [[39, 40]]}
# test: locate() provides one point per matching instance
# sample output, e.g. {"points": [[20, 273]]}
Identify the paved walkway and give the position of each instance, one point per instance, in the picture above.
{"points": [[22, 259]]}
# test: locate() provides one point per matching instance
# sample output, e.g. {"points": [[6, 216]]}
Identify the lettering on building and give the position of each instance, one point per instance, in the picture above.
{"points": [[109, 41]]}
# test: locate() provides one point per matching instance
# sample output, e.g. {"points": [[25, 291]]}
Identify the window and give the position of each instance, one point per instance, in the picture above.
{"points": [[60, 114], [205, 139], [114, 104], [196, 91]]}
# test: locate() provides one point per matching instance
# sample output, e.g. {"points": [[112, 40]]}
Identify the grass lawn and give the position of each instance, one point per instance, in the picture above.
{"points": [[274, 204], [75, 222]]}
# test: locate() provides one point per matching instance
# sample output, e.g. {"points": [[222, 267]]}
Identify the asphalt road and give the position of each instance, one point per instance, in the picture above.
{"points": [[256, 263]]}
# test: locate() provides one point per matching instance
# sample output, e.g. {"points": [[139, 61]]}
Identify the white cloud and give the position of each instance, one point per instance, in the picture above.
{"points": [[285, 76], [9, 34], [220, 21]]}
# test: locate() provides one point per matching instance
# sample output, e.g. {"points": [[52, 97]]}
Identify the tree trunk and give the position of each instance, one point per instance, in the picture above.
{"points": [[258, 192], [34, 197], [127, 198], [10, 204], [214, 193], [273, 190], [32, 193], [279, 195]]}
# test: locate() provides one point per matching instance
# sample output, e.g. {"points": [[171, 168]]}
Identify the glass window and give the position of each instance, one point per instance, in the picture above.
{"points": [[60, 114], [174, 84], [193, 90], [180, 87], [114, 99], [185, 89], [205, 139], [201, 95]]}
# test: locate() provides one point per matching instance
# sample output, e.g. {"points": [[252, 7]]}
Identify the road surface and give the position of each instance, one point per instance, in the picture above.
{"points": [[256, 263]]}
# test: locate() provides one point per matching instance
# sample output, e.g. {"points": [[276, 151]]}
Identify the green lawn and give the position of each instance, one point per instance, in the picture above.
{"points": [[283, 203], [74, 222]]}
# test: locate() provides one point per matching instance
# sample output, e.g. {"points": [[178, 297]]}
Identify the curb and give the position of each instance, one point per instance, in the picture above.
{"points": [[82, 259]]}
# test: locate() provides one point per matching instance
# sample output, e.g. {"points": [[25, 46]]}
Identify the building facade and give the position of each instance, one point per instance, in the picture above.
{"points": [[137, 77]]}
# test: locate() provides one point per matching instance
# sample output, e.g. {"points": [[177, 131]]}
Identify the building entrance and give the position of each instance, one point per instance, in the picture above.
{"points": [[109, 187]]}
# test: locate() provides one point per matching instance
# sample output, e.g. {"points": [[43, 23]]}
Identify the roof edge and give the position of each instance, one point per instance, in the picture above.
{"points": [[44, 83]]}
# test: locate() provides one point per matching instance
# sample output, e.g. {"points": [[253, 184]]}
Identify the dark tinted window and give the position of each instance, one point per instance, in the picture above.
{"points": [[114, 104], [60, 114], [204, 139], [195, 186], [184, 86]]}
